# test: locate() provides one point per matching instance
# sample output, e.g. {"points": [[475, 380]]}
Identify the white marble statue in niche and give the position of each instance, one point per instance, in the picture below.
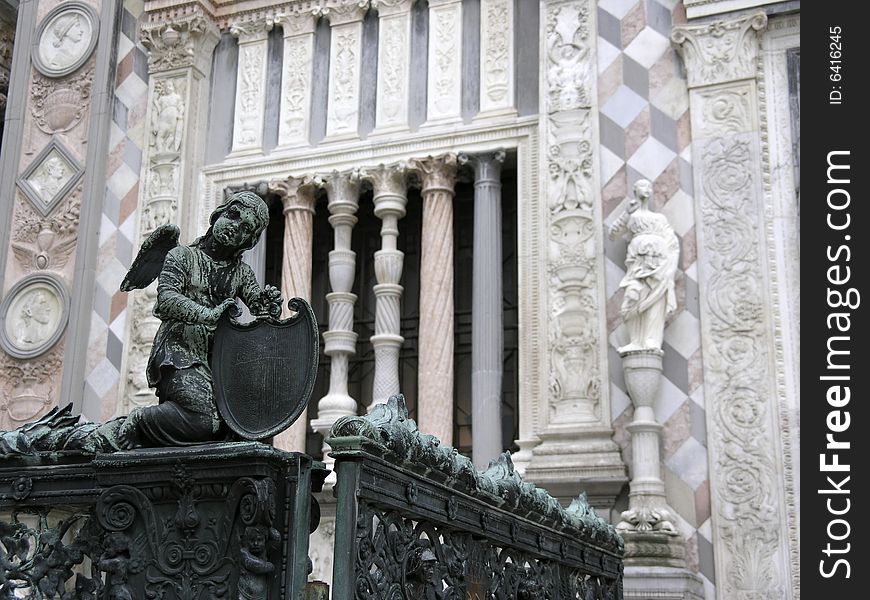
{"points": [[65, 40], [168, 117], [650, 268]]}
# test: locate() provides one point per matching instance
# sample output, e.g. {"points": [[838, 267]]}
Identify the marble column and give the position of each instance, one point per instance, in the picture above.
{"points": [[394, 59], [496, 58], [755, 548], [435, 331], [340, 341], [295, 116], [345, 60], [297, 198], [179, 61], [390, 199], [444, 101], [577, 451], [250, 112], [487, 312]]}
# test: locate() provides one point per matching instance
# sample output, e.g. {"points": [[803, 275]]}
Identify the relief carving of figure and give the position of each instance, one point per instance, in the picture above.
{"points": [[49, 178], [255, 567], [64, 45], [420, 581], [115, 562], [169, 117], [651, 265], [35, 320]]}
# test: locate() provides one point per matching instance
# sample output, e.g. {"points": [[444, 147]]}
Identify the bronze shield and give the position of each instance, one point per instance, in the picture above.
{"points": [[264, 371]]}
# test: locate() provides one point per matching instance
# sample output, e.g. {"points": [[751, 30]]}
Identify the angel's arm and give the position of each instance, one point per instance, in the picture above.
{"points": [[172, 304]]}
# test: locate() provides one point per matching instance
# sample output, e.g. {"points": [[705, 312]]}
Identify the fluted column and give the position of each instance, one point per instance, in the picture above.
{"points": [[435, 377], [390, 198], [394, 58], [444, 103], [496, 57], [179, 63], [250, 85], [295, 117], [487, 331], [297, 197], [340, 341], [345, 60]]}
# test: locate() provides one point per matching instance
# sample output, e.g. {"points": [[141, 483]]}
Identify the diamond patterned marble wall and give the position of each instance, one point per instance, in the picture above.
{"points": [[117, 229], [644, 133]]}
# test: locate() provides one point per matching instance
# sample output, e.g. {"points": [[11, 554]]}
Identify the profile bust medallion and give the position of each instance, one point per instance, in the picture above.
{"points": [[65, 39]]}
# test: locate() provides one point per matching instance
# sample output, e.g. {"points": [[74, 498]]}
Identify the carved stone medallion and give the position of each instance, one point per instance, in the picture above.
{"points": [[33, 315], [65, 39], [50, 177]]}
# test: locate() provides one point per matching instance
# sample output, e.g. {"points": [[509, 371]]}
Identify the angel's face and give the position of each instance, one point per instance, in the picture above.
{"points": [[235, 227]]}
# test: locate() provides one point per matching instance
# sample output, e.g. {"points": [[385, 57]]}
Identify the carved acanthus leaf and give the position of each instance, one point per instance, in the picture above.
{"points": [[183, 42], [720, 51]]}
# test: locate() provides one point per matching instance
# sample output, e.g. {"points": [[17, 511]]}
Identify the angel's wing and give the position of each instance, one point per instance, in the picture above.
{"points": [[24, 254], [150, 259]]}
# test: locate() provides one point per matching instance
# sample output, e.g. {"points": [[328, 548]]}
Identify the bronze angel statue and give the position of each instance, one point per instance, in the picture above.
{"points": [[196, 285]]}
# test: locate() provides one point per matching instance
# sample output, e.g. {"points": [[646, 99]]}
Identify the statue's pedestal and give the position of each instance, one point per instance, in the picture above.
{"points": [[174, 523], [660, 583]]}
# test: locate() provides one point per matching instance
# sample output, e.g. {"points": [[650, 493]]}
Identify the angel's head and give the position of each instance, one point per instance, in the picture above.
{"points": [[238, 222]]}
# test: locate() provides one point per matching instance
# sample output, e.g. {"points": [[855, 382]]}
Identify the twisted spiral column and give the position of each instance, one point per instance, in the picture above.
{"points": [[297, 197], [390, 199], [340, 341], [435, 377]]}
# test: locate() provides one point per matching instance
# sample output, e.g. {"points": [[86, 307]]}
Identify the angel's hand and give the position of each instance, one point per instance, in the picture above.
{"points": [[214, 314]]}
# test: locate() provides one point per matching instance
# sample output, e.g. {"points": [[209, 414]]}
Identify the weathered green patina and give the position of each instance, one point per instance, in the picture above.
{"points": [[403, 496]]}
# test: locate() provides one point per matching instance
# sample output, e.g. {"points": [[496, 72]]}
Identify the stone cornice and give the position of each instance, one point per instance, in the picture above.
{"points": [[224, 13], [720, 51]]}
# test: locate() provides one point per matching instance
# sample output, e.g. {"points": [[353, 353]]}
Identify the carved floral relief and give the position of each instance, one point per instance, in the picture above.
{"points": [[497, 56]]}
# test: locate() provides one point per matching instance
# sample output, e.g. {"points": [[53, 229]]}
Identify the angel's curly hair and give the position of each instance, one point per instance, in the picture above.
{"points": [[248, 200]]}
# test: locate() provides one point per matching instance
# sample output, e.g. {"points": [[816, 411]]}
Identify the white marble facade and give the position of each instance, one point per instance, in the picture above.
{"points": [[683, 94]]}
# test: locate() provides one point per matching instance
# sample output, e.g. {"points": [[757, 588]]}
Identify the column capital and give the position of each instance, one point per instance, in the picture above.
{"points": [[251, 31], [720, 51], [343, 12], [486, 165], [386, 8], [342, 189], [300, 22], [296, 193], [436, 172], [187, 41]]}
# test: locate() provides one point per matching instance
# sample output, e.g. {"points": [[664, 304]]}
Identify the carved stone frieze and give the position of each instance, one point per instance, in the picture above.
{"points": [[574, 374], [58, 105], [720, 51], [180, 42], [344, 76], [445, 52], [296, 80], [496, 54], [46, 242], [725, 111], [27, 389], [737, 371], [251, 84], [570, 64], [393, 59]]}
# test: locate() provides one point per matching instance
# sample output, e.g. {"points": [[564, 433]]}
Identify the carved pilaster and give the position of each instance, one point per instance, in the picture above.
{"points": [[749, 527], [577, 451], [179, 62], [340, 341], [250, 85], [390, 199], [496, 57], [345, 60], [444, 102], [298, 27], [394, 58], [297, 197], [435, 342]]}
